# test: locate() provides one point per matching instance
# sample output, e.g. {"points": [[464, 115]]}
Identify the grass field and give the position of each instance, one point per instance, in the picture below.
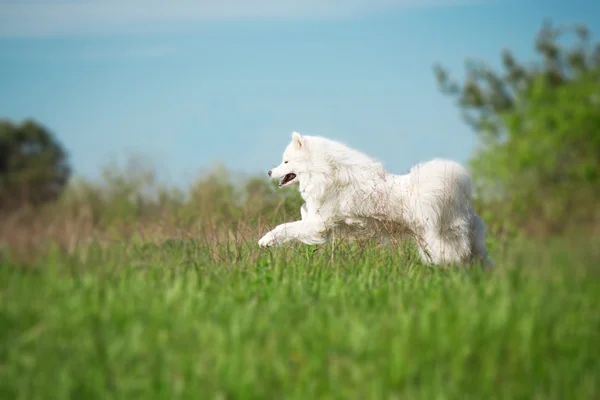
{"points": [[188, 320]]}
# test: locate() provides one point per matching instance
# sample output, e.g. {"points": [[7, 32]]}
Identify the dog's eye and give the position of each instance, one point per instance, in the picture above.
{"points": [[285, 162]]}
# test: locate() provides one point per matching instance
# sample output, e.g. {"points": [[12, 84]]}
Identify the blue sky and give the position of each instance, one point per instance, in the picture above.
{"points": [[197, 82]]}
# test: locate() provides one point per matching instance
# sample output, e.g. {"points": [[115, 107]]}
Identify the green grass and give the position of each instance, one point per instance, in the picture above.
{"points": [[177, 321]]}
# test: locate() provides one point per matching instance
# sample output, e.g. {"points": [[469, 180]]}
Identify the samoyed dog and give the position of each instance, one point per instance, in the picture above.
{"points": [[348, 192]]}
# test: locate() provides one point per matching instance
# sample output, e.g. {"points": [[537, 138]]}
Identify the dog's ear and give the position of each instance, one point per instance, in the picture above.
{"points": [[297, 139]]}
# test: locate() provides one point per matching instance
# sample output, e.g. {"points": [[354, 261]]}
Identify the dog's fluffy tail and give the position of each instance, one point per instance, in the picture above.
{"points": [[478, 247]]}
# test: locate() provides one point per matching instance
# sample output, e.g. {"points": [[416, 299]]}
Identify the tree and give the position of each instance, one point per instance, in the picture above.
{"points": [[33, 165], [539, 128]]}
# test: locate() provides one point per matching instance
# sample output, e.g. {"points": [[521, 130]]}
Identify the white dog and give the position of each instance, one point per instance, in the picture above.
{"points": [[347, 191]]}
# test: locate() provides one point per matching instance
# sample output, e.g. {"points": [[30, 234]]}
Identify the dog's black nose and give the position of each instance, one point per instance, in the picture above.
{"points": [[269, 173]]}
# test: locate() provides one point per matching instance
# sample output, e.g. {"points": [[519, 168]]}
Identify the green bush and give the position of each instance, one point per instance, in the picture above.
{"points": [[537, 168]]}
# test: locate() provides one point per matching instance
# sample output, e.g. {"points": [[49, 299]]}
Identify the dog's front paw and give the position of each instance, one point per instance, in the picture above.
{"points": [[268, 240]]}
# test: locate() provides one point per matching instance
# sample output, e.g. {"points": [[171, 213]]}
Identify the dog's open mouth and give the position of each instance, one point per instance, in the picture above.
{"points": [[287, 179]]}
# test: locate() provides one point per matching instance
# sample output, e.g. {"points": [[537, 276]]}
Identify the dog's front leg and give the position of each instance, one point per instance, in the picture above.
{"points": [[308, 232]]}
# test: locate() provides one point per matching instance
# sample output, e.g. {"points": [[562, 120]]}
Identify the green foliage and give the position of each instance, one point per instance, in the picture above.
{"points": [[539, 129], [187, 320], [33, 165], [133, 194]]}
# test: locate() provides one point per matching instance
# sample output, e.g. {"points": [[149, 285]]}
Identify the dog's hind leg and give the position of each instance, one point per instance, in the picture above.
{"points": [[451, 246]]}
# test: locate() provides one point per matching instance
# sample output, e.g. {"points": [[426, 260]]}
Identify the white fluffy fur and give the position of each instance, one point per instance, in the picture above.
{"points": [[347, 191]]}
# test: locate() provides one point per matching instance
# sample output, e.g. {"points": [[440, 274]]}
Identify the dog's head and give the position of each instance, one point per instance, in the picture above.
{"points": [[294, 164]]}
